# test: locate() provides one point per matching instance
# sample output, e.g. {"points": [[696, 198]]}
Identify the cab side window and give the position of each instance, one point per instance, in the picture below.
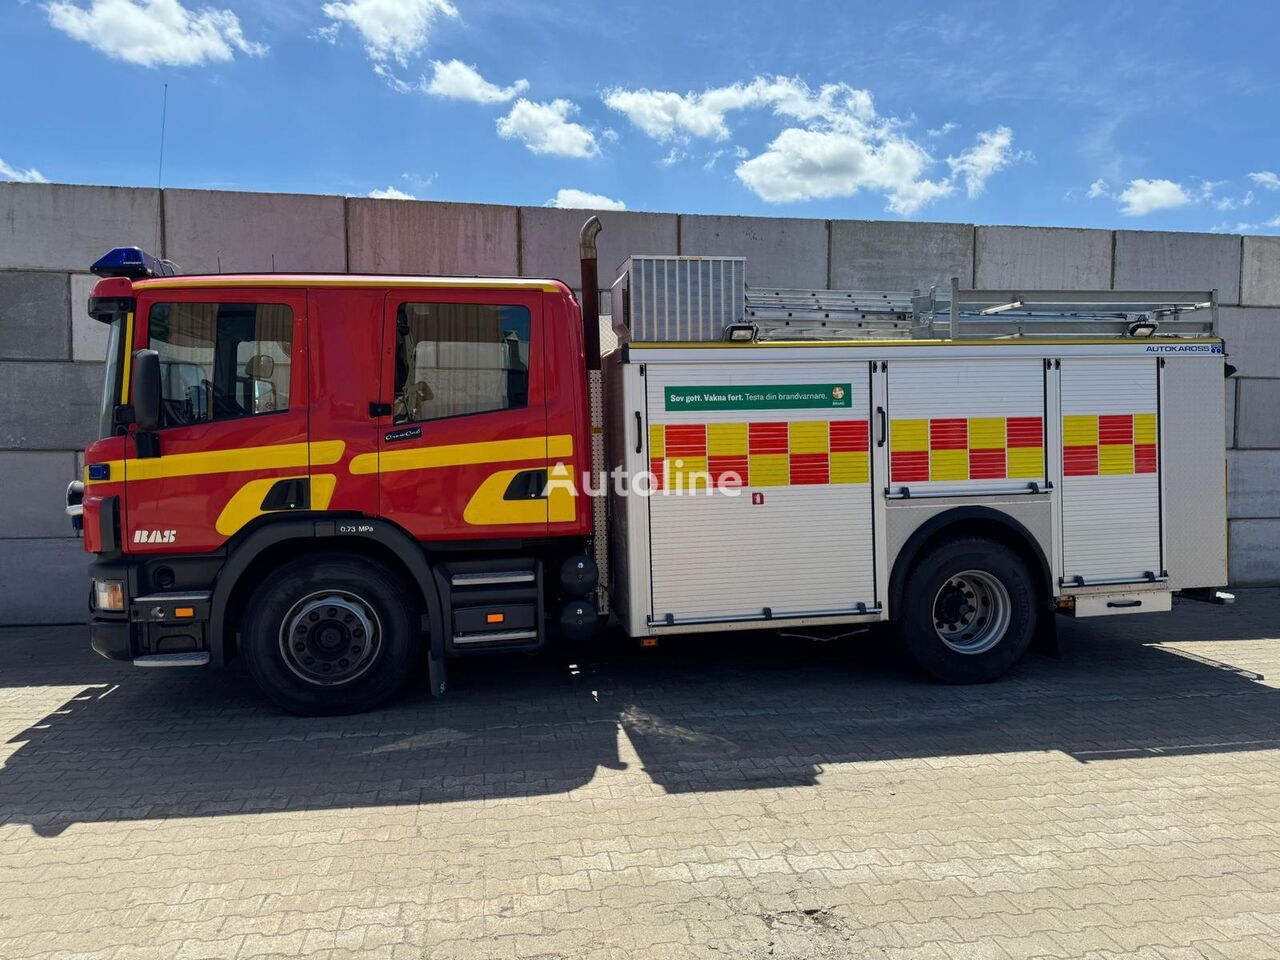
{"points": [[456, 359], [221, 361]]}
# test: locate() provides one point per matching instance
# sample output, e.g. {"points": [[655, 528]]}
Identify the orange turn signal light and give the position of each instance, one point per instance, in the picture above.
{"points": [[495, 618], [184, 611]]}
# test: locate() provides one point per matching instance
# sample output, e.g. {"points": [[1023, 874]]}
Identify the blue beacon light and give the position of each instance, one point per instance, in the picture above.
{"points": [[131, 262]]}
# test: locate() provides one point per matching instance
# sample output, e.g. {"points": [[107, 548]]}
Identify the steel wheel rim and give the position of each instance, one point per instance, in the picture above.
{"points": [[330, 638], [971, 612]]}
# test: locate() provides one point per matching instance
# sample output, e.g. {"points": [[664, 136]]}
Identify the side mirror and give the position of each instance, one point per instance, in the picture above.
{"points": [[146, 390]]}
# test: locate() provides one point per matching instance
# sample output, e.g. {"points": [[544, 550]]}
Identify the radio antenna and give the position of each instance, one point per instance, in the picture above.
{"points": [[164, 112]]}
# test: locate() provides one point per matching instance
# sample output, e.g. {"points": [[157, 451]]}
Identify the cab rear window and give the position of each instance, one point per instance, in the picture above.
{"points": [[457, 359]]}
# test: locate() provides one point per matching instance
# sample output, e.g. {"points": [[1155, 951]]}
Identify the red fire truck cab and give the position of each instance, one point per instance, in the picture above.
{"points": [[360, 461]]}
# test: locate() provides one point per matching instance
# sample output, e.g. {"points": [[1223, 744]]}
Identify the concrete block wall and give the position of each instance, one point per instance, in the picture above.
{"points": [[51, 352]]}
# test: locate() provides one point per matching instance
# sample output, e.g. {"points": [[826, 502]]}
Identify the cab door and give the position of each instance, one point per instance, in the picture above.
{"points": [[233, 415], [463, 446]]}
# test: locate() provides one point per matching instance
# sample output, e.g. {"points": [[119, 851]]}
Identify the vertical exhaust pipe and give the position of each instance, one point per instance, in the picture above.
{"points": [[595, 408], [590, 292]]}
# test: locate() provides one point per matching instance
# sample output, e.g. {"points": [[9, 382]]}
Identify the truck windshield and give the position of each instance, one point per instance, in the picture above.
{"points": [[111, 379]]}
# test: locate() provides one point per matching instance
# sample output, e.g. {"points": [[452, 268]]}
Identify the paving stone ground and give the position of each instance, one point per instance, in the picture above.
{"points": [[713, 798]]}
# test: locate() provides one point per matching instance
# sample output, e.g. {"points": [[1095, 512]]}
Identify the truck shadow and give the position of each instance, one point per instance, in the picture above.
{"points": [[701, 713]]}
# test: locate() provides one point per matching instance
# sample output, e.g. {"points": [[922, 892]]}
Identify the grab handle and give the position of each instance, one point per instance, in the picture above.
{"points": [[884, 426], [639, 433]]}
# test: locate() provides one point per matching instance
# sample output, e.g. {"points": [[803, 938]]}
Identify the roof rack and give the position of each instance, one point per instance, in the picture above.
{"points": [[791, 314], [1007, 314]]}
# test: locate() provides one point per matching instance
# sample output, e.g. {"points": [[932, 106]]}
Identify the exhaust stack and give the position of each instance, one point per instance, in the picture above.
{"points": [[590, 292]]}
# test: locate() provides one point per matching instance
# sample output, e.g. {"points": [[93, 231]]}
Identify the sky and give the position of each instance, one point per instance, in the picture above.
{"points": [[1142, 115]]}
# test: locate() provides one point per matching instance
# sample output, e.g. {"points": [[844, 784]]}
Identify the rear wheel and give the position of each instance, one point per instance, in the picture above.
{"points": [[969, 611], [330, 635]]}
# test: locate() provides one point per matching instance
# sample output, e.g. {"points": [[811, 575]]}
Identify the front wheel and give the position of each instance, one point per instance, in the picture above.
{"points": [[969, 611], [330, 635]]}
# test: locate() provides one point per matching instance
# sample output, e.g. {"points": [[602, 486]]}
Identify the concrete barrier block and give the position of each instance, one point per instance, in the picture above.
{"points": [[1254, 552], [35, 485], [44, 581], [1253, 339], [1042, 258], [1148, 260], [780, 252], [892, 255], [53, 226], [215, 231], [549, 241], [422, 237], [88, 336], [1252, 491], [35, 316], [1258, 423], [1260, 273], [49, 406]]}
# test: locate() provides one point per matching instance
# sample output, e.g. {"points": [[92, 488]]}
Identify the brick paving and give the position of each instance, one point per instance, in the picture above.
{"points": [[712, 798]]}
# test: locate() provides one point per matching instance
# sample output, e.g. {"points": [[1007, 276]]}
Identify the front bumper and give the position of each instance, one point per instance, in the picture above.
{"points": [[154, 621], [112, 639]]}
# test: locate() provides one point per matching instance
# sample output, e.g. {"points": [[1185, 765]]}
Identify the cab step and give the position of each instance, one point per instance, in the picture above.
{"points": [[195, 658], [492, 605]]}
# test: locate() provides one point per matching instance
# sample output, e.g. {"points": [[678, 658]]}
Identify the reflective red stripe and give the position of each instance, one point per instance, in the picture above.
{"points": [[810, 468], [949, 434], [909, 466], [986, 465], [849, 436], [1080, 461], [1115, 428], [1024, 432]]}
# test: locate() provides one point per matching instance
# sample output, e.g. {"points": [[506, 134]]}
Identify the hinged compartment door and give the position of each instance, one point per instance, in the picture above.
{"points": [[795, 539], [966, 427], [1110, 471]]}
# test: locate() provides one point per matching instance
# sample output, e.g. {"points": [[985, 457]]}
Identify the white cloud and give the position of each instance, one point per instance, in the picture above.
{"points": [[1272, 224], [1231, 203], [664, 114], [154, 32], [570, 199], [991, 154], [820, 164], [391, 193], [456, 80], [545, 128], [836, 146], [674, 156], [391, 29], [1098, 189], [1265, 178], [31, 175], [943, 130], [1147, 196]]}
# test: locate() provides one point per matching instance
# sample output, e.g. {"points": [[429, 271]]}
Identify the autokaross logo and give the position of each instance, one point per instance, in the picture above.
{"points": [[155, 536]]}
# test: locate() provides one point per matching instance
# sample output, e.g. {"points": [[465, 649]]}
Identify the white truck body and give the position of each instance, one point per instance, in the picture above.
{"points": [[1107, 453]]}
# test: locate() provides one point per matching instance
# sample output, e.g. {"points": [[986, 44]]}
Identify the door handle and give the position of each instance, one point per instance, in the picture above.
{"points": [[884, 426], [639, 433]]}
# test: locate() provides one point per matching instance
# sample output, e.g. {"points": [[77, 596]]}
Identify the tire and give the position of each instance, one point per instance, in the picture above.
{"points": [[969, 611], [352, 635]]}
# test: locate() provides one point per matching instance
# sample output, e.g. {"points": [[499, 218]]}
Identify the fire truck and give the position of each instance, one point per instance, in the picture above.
{"points": [[339, 480]]}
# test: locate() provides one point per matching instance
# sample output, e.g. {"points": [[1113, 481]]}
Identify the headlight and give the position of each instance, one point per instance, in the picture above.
{"points": [[108, 595]]}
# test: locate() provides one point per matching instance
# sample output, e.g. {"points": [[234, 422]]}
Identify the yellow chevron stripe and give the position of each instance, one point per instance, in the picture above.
{"points": [[246, 503], [464, 454], [210, 462]]}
